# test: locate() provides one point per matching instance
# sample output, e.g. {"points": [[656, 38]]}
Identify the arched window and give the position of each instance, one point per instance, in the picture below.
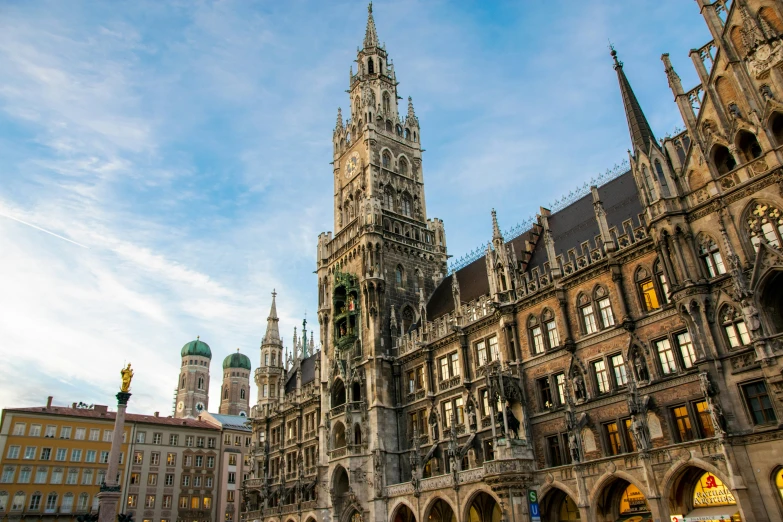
{"points": [[536, 335], [734, 327], [51, 502], [776, 126], [550, 326], [587, 314], [406, 205], [710, 256], [388, 198], [596, 313], [274, 359], [3, 500], [67, 505], [386, 160], [386, 107], [779, 482], [35, 501], [225, 392], [403, 163], [242, 393], [767, 221], [604, 307], [723, 159], [648, 183], [407, 134], [407, 319], [182, 383], [417, 279], [200, 382], [84, 502], [662, 179], [357, 434], [348, 138], [389, 126], [748, 146], [647, 290], [371, 66], [399, 130], [399, 276], [660, 276]]}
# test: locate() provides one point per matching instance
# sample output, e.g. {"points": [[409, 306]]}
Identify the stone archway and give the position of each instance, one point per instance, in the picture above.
{"points": [[403, 513], [618, 497], [439, 511], [693, 491], [558, 506], [483, 507]]}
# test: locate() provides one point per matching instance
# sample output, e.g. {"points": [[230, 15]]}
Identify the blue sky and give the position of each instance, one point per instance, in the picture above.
{"points": [[185, 147]]}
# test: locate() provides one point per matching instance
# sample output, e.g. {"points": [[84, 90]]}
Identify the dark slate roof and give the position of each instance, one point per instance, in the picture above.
{"points": [[570, 227], [308, 373]]}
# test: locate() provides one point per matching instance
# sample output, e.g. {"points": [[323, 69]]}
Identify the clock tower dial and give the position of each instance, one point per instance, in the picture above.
{"points": [[352, 164]]}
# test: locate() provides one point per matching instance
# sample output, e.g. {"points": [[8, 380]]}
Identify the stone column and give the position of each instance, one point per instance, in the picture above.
{"points": [[109, 494]]}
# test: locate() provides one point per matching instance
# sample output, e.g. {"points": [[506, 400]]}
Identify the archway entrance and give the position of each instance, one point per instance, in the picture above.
{"points": [[699, 494], [484, 508], [772, 301], [622, 501], [404, 514], [338, 393], [441, 512], [558, 506]]}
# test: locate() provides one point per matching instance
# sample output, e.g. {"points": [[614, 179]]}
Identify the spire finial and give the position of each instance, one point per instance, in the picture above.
{"points": [[237, 350], [639, 128], [198, 337], [495, 228], [370, 35]]}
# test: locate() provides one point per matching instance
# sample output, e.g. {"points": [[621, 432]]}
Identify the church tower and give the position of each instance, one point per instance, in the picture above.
{"points": [[193, 386], [235, 392], [270, 372], [374, 273]]}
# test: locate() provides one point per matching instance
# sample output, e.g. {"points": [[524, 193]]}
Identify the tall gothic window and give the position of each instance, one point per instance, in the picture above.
{"points": [[662, 180], [225, 392], [710, 256], [201, 383], [242, 393], [647, 290], [371, 66], [406, 205], [536, 335], [723, 159], [648, 183], [182, 383], [403, 167], [661, 278], [767, 221], [734, 327], [587, 312], [399, 276], [550, 325], [386, 105], [388, 198], [748, 146], [386, 160]]}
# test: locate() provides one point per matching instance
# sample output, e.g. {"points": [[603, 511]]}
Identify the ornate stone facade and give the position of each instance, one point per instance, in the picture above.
{"points": [[620, 356]]}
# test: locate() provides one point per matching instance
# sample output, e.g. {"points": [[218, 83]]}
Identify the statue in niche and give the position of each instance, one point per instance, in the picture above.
{"points": [[640, 368], [580, 392], [472, 416], [751, 315]]}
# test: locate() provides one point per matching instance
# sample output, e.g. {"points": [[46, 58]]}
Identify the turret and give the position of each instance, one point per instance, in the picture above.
{"points": [[268, 375], [193, 386], [235, 392]]}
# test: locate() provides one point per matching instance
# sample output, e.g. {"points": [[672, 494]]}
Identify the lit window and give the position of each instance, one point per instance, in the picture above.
{"points": [[687, 351], [536, 335], [683, 423], [618, 367], [494, 351], [551, 331], [588, 318], [601, 376], [735, 328], [705, 419], [767, 221], [665, 356], [561, 392], [710, 256], [607, 317], [481, 353], [613, 438]]}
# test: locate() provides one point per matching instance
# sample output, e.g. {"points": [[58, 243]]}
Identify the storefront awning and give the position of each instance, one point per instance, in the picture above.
{"points": [[644, 517], [711, 513]]}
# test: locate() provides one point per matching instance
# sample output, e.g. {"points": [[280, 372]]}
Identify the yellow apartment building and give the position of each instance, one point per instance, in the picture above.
{"points": [[53, 460]]}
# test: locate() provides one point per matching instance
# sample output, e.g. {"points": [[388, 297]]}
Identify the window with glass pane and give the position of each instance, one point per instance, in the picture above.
{"points": [[553, 450], [460, 410], [711, 258], [561, 393], [628, 434], [420, 378], [40, 475], [486, 410], [607, 316], [665, 356], [588, 317], [551, 330], [35, 502], [649, 296], [658, 269], [84, 501], [759, 404], [683, 423], [765, 220], [613, 438], [411, 381], [494, 352], [454, 364], [537, 337], [544, 392], [444, 368], [705, 420], [481, 353], [687, 350], [734, 326], [618, 366], [601, 376], [447, 413]]}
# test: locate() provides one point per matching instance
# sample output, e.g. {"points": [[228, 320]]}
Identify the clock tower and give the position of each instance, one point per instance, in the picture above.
{"points": [[374, 273]]}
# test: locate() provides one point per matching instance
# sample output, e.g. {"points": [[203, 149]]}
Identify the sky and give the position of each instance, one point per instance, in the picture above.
{"points": [[164, 165]]}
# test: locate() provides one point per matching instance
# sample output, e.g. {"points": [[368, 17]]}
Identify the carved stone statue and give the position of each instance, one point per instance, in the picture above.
{"points": [[580, 392], [640, 367], [641, 433], [472, 417], [127, 375], [751, 315], [573, 446]]}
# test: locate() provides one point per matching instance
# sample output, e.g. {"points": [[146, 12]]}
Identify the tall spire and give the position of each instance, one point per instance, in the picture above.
{"points": [[641, 133], [339, 124], [272, 333], [412, 119], [495, 228], [370, 36]]}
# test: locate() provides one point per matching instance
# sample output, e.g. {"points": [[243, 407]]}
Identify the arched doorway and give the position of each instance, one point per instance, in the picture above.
{"points": [[723, 159], [338, 393], [698, 494], [440, 511], [339, 435], [748, 145], [484, 508], [776, 126], [403, 514], [340, 485], [558, 506], [772, 301], [621, 500]]}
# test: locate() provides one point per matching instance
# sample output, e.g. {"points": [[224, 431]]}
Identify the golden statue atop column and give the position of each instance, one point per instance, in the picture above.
{"points": [[127, 375]]}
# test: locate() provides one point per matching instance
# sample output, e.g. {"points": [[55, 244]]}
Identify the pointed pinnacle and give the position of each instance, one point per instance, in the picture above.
{"points": [[495, 228], [370, 35]]}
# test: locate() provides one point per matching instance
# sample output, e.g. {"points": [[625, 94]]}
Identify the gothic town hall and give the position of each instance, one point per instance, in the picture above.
{"points": [[620, 358]]}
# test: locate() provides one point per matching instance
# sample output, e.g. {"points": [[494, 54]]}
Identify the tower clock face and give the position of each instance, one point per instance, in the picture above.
{"points": [[180, 406], [352, 165], [200, 406]]}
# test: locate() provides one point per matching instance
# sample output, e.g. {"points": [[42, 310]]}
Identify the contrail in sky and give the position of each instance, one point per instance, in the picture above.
{"points": [[43, 230]]}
